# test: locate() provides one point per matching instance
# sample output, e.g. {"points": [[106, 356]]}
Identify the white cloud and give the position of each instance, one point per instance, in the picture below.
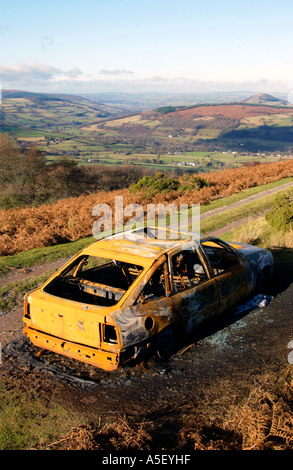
{"points": [[30, 76], [41, 77], [76, 72], [22, 72]]}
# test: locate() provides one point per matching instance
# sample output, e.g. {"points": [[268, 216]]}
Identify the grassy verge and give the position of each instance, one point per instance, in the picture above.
{"points": [[246, 210], [242, 195], [38, 256], [26, 424], [11, 293], [259, 232]]}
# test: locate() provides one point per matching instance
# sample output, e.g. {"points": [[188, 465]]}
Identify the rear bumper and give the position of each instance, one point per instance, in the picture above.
{"points": [[97, 357]]}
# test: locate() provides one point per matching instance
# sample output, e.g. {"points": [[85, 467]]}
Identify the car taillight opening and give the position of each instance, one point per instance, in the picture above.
{"points": [[27, 313], [109, 334]]}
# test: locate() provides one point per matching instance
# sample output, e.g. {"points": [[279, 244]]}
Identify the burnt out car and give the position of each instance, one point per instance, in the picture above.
{"points": [[133, 290]]}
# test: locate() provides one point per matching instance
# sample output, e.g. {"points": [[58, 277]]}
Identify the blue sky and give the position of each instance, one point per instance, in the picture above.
{"points": [[126, 45]]}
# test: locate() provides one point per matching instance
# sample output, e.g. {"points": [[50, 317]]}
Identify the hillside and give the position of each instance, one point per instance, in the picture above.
{"points": [[69, 405], [33, 111], [71, 218], [264, 98], [199, 137], [241, 127]]}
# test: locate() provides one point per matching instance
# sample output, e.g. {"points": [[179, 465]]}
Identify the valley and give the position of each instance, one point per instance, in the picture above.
{"points": [[193, 138]]}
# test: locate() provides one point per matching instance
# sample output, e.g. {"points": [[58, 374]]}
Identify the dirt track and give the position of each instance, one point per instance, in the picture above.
{"points": [[252, 198]]}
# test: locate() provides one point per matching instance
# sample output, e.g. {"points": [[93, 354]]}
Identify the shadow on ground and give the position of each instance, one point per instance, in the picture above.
{"points": [[281, 279]]}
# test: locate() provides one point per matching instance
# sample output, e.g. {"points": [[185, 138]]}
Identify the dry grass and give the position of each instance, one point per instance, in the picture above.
{"points": [[252, 232], [257, 231], [261, 421], [119, 435], [264, 422], [284, 240], [79, 438]]}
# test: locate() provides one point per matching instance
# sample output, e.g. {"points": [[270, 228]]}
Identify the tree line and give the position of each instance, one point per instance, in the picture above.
{"points": [[27, 179]]}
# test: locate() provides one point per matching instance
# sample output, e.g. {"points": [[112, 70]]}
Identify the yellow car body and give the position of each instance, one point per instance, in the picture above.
{"points": [[121, 294]]}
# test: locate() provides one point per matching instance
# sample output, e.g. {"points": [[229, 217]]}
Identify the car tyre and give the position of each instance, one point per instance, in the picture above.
{"points": [[166, 343]]}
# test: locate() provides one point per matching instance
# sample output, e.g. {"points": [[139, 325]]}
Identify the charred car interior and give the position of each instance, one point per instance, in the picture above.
{"points": [[94, 281]]}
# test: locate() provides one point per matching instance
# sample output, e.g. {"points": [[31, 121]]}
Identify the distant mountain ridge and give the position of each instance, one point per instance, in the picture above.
{"points": [[265, 99], [122, 103], [41, 97], [112, 124], [46, 110]]}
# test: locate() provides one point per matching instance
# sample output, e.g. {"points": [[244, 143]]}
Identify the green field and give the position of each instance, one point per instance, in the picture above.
{"points": [[82, 130]]}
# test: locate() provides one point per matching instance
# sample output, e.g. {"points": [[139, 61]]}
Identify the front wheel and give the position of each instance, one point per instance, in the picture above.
{"points": [[166, 343]]}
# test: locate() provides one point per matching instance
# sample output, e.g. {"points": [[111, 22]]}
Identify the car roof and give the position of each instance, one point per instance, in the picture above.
{"points": [[145, 243]]}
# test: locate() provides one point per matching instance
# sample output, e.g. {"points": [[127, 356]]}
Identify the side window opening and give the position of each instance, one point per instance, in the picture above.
{"points": [[155, 287], [220, 257], [188, 270]]}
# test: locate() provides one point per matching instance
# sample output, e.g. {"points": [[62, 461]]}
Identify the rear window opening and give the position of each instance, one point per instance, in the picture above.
{"points": [[94, 281]]}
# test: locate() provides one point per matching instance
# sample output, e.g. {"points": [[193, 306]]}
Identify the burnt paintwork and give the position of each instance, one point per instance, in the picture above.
{"points": [[107, 314]]}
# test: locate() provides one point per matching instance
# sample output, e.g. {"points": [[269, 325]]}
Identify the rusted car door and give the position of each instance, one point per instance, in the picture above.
{"points": [[194, 293], [152, 310], [229, 271]]}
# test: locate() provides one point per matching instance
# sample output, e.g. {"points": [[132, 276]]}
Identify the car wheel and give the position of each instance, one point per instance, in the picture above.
{"points": [[166, 343]]}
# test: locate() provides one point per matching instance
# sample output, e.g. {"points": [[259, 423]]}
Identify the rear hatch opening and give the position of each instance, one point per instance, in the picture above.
{"points": [[95, 281]]}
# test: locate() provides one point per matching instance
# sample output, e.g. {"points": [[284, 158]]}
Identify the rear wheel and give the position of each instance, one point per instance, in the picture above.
{"points": [[166, 342]]}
